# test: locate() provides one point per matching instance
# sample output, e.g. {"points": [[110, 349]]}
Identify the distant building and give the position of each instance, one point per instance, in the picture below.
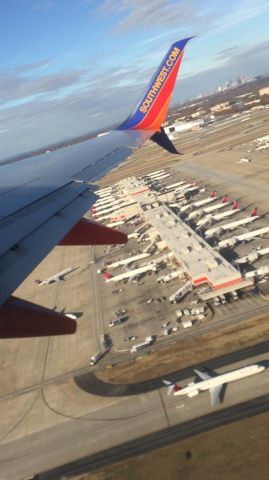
{"points": [[264, 91], [253, 102], [180, 119], [238, 106], [258, 107], [220, 106], [248, 94], [183, 126], [198, 114]]}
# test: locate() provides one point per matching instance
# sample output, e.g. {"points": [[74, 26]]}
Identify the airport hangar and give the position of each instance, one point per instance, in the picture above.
{"points": [[202, 264]]}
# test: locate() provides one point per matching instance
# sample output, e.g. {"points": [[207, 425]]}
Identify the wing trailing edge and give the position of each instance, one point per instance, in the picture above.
{"points": [[86, 232], [22, 319]]}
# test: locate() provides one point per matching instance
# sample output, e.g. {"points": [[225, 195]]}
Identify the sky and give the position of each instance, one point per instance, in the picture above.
{"points": [[69, 67]]}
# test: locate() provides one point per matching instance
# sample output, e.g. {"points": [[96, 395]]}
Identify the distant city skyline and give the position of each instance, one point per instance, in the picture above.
{"points": [[69, 68]]}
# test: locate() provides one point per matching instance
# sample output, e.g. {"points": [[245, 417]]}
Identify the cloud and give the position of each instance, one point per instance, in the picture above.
{"points": [[187, 15], [24, 81], [66, 104], [245, 60], [41, 121], [227, 52], [246, 56], [139, 13]]}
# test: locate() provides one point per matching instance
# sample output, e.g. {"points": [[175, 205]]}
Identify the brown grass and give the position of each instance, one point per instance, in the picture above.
{"points": [[188, 352], [233, 452]]}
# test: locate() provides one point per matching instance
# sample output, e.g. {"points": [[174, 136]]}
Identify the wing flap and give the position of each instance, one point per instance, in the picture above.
{"points": [[21, 319], [17, 226], [215, 394], [202, 375], [17, 263]]}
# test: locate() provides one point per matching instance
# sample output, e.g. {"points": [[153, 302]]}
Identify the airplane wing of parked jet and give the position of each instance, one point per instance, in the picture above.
{"points": [[44, 198], [215, 391]]}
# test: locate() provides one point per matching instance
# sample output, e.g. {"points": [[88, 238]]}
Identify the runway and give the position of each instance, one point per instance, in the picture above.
{"points": [[93, 385], [87, 381], [160, 439], [56, 412], [68, 424]]}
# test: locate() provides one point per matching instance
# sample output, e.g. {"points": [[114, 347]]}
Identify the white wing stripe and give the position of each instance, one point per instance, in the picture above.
{"points": [[17, 226], [16, 264]]}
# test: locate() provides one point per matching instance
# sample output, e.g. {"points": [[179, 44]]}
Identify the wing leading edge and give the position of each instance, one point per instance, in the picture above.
{"points": [[43, 198]]}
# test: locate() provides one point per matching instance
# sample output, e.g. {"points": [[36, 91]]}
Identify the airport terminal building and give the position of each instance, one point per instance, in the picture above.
{"points": [[201, 262]]}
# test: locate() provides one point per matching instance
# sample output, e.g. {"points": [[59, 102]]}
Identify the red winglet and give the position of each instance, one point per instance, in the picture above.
{"points": [[21, 319], [86, 232]]}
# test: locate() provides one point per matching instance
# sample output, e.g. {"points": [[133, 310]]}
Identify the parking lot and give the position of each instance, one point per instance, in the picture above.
{"points": [[134, 309]]}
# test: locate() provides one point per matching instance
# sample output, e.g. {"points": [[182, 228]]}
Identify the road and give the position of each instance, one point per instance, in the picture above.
{"points": [[83, 376], [97, 308], [207, 140], [62, 423], [48, 420]]}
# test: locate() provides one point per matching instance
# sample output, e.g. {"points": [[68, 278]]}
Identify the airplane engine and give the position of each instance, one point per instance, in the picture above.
{"points": [[193, 393]]}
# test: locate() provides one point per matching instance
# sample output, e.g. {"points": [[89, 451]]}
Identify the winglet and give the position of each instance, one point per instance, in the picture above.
{"points": [[152, 108]]}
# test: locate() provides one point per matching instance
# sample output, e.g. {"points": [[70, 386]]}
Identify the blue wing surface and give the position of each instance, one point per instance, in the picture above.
{"points": [[42, 198]]}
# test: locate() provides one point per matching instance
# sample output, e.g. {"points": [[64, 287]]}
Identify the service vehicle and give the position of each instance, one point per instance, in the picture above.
{"points": [[95, 358]]}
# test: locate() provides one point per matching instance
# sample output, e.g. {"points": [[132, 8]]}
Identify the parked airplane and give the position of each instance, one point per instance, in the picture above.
{"points": [[252, 256], [209, 219], [201, 211], [205, 201], [232, 225], [213, 382], [57, 277], [245, 237], [44, 198]]}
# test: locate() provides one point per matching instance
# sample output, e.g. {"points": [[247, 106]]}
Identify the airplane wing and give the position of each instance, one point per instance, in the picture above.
{"points": [[215, 395], [43, 199], [202, 375], [214, 391]]}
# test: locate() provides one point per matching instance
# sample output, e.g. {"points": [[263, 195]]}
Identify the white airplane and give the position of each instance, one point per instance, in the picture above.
{"points": [[202, 211], [232, 225], [57, 277], [228, 213], [209, 219], [213, 382], [245, 237], [212, 197], [205, 201], [252, 256], [44, 199]]}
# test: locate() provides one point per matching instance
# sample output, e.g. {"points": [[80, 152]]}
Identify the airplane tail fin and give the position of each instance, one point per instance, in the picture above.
{"points": [[254, 212], [225, 199], [213, 194], [151, 110], [171, 387], [235, 205]]}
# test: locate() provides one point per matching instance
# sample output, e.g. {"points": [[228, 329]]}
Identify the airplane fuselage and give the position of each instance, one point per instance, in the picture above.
{"points": [[194, 388]]}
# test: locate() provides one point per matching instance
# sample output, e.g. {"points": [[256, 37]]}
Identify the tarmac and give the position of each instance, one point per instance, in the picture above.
{"points": [[59, 422]]}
